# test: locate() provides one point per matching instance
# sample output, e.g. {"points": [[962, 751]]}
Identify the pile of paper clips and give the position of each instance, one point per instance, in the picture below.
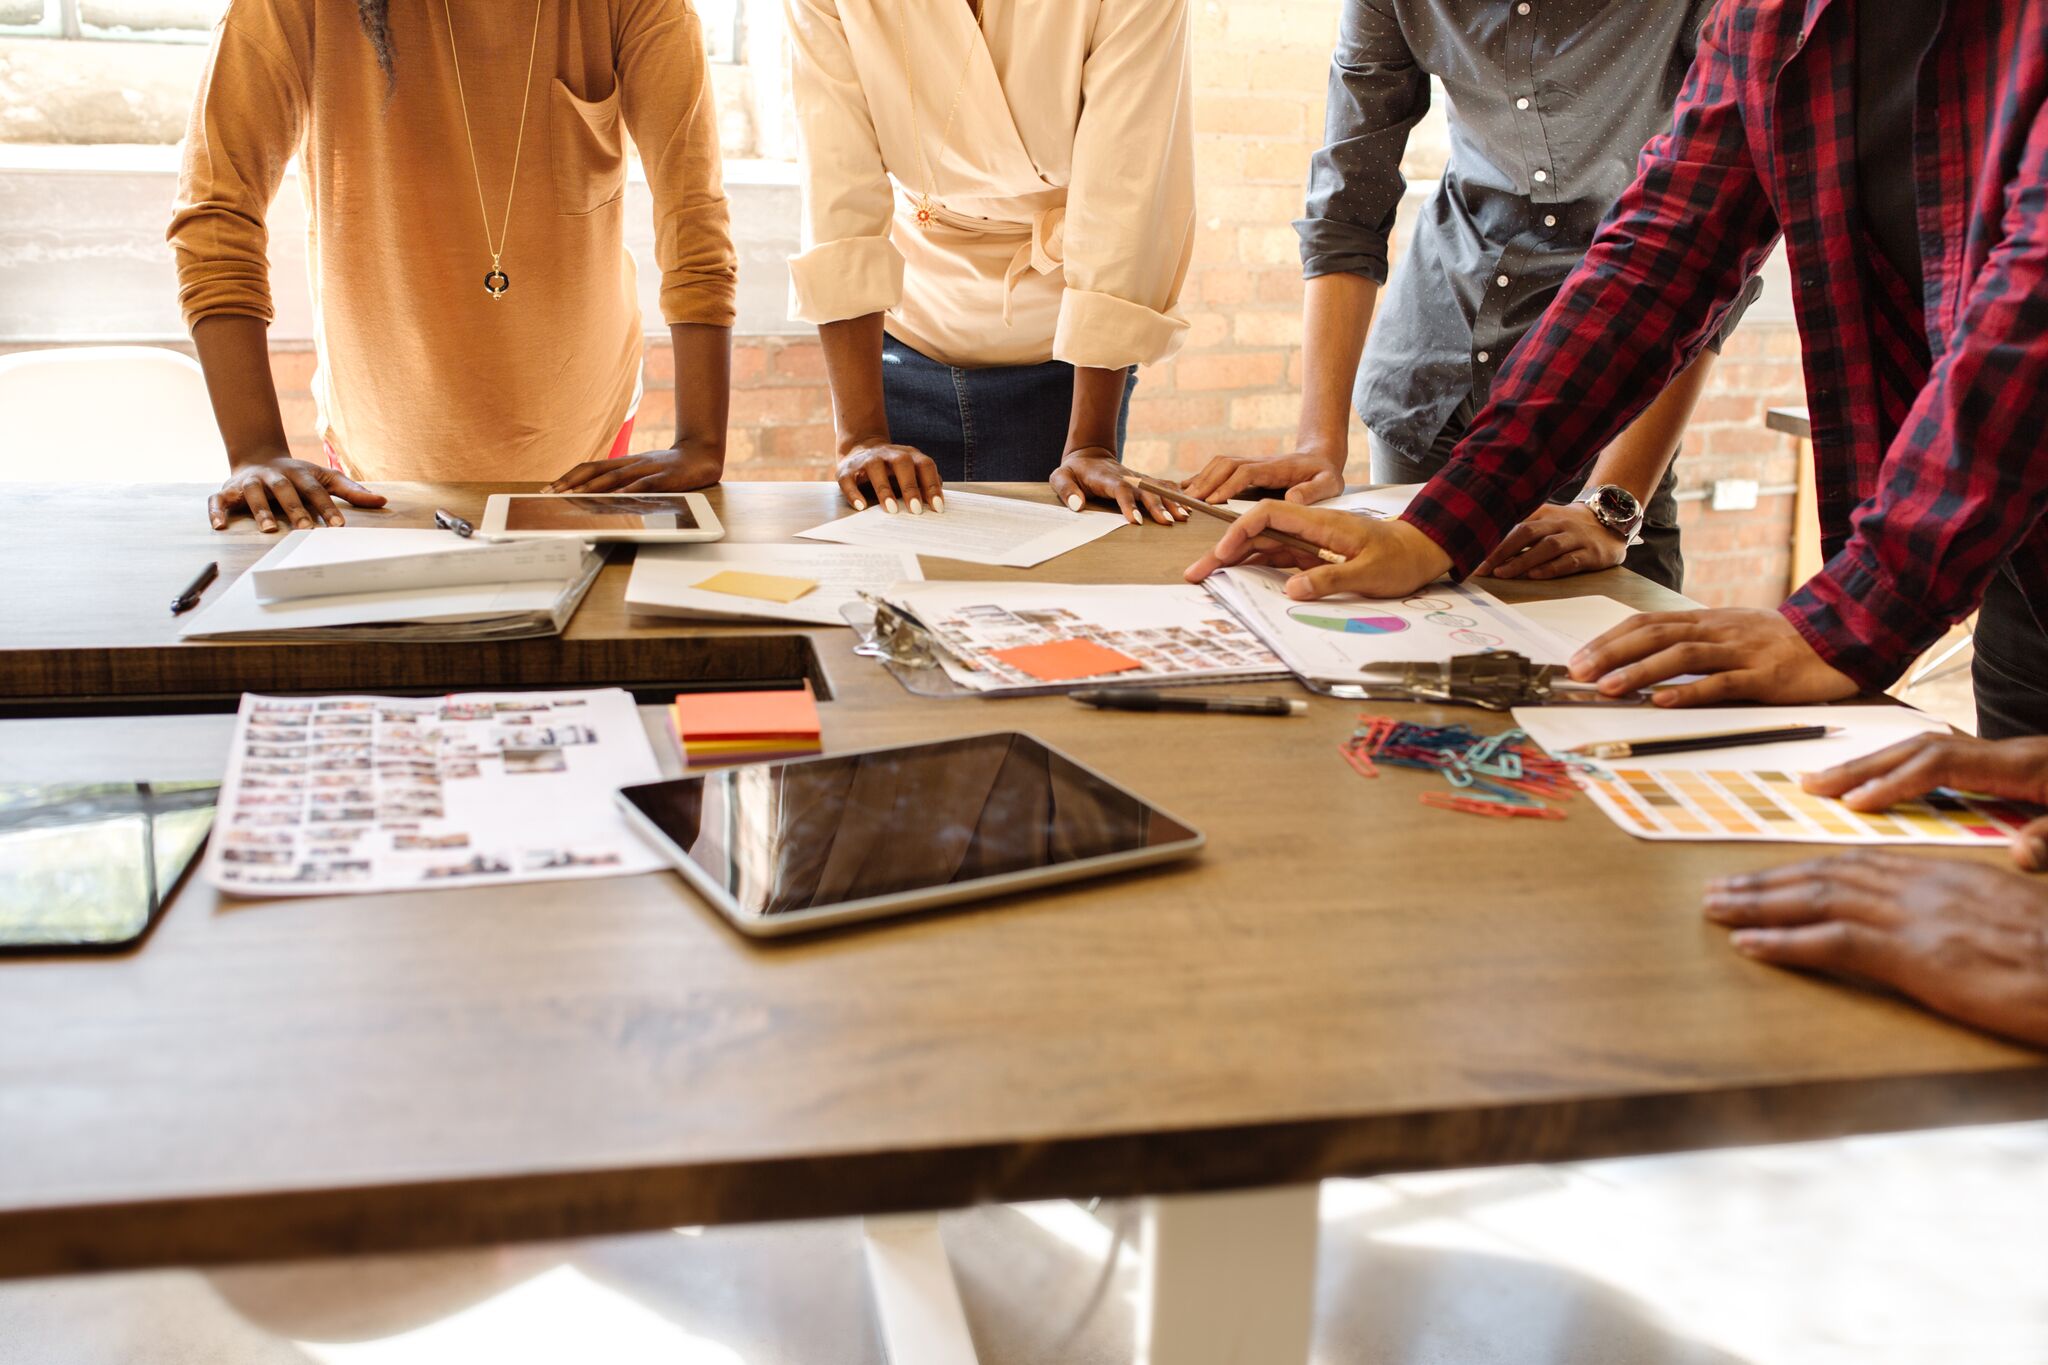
{"points": [[1503, 776]]}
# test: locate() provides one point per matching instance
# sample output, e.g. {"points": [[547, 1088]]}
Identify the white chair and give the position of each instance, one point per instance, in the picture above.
{"points": [[107, 414]]}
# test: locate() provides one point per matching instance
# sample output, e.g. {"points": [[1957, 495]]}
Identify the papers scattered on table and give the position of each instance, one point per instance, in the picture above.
{"points": [[356, 559], [1172, 632], [978, 528], [671, 580], [1865, 730], [1387, 502], [1769, 806], [476, 611], [746, 727], [347, 794], [1577, 620], [1329, 641]]}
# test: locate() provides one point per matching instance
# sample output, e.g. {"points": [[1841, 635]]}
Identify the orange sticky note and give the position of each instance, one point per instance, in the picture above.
{"points": [[1063, 660], [765, 587], [745, 715]]}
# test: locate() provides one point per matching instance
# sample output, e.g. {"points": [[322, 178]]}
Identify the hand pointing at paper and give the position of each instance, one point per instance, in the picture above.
{"points": [[1383, 558]]}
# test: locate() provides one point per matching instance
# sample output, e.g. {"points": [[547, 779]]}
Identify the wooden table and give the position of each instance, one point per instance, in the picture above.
{"points": [[1346, 982]]}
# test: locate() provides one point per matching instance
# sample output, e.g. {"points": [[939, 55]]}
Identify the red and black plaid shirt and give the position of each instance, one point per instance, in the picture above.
{"points": [[1930, 418]]}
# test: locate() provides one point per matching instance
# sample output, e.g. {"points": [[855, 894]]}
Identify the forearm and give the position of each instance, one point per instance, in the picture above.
{"points": [[1098, 402], [703, 386], [1336, 313], [853, 369], [1636, 459], [234, 352]]}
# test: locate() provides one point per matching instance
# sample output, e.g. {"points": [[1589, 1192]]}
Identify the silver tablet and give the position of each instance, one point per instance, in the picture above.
{"points": [[783, 847], [656, 518]]}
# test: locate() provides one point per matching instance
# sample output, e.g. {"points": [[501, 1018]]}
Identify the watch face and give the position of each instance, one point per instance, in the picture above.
{"points": [[1616, 504]]}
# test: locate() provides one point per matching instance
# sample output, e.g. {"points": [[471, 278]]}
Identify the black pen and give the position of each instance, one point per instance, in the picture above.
{"points": [[1685, 744], [1145, 699], [448, 521], [189, 598]]}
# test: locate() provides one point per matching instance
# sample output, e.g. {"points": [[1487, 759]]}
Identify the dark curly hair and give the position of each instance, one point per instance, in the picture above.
{"points": [[376, 17]]}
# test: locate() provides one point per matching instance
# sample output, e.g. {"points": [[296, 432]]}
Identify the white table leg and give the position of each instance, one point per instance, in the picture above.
{"points": [[1228, 1279], [916, 1301]]}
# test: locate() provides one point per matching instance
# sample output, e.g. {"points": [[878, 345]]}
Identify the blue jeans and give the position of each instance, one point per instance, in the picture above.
{"points": [[998, 424]]}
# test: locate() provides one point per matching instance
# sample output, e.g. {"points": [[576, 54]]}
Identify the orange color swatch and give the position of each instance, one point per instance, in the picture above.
{"points": [[1065, 660]]}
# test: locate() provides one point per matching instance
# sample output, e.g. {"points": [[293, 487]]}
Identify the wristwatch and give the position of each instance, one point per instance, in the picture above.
{"points": [[1617, 509]]}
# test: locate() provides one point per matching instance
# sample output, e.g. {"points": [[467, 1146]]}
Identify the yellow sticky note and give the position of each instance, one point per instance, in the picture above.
{"points": [[765, 587]]}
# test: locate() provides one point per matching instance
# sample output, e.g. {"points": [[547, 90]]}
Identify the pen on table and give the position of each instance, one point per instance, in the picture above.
{"points": [[189, 598], [1725, 739], [1145, 699], [1195, 504], [448, 521]]}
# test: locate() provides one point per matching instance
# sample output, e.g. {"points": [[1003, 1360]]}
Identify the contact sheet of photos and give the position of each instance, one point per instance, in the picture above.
{"points": [[347, 794]]}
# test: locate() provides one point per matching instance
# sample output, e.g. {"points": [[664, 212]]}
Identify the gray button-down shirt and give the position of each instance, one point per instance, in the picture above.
{"points": [[1551, 101]]}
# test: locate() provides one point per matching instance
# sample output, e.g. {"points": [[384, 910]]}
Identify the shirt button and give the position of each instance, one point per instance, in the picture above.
{"points": [[1550, 220], [1485, 356], [1522, 8], [1542, 176], [1522, 103], [1501, 280]]}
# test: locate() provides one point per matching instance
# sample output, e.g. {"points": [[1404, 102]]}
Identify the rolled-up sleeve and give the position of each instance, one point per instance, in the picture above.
{"points": [[1377, 95], [1130, 222], [848, 267], [246, 124], [665, 94]]}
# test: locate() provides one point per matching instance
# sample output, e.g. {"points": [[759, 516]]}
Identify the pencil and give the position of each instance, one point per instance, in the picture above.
{"points": [[1195, 504], [1725, 739]]}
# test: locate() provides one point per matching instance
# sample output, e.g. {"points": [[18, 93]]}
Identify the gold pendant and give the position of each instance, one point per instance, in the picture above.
{"points": [[496, 283], [924, 212]]}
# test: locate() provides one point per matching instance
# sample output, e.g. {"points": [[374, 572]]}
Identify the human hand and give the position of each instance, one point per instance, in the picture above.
{"points": [[677, 470], [1555, 543], [302, 492], [1382, 558], [2016, 769], [1963, 939], [890, 471], [1747, 655], [1093, 471], [1307, 475]]}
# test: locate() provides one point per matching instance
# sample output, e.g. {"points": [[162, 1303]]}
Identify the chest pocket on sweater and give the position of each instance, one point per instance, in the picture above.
{"points": [[587, 147]]}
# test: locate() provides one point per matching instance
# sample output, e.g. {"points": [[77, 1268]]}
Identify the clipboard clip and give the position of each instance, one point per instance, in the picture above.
{"points": [[1493, 681], [890, 634]]}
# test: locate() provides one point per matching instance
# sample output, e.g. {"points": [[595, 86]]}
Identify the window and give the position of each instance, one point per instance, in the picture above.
{"points": [[161, 21]]}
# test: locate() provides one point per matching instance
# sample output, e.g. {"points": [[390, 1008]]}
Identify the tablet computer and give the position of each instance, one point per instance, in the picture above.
{"points": [[784, 847], [638, 517], [90, 867]]}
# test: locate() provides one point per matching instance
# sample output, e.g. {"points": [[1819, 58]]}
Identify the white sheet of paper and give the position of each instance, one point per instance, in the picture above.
{"points": [[238, 610], [979, 528], [1175, 630], [1387, 502], [331, 795], [1329, 641], [665, 577], [352, 559], [1865, 730], [1580, 620]]}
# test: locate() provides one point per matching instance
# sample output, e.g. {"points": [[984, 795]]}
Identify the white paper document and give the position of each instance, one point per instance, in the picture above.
{"points": [[351, 559], [979, 528], [1387, 502], [332, 795], [1170, 632], [1581, 620], [1865, 730], [665, 578], [1331, 640]]}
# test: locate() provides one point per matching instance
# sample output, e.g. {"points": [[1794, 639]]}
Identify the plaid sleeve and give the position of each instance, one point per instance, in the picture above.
{"points": [[1667, 264], [1966, 480]]}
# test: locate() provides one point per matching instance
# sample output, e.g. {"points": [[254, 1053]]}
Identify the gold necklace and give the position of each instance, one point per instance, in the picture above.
{"points": [[496, 281], [924, 203]]}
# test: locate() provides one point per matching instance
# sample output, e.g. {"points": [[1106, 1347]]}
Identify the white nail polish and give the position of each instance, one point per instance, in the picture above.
{"points": [[938, 502], [916, 508], [889, 506], [1074, 502], [859, 505], [1136, 520]]}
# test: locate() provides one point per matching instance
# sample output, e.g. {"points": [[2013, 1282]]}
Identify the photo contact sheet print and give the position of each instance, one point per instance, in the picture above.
{"points": [[327, 795]]}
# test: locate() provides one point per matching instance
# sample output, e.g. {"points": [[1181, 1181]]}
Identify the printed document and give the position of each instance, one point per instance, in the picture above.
{"points": [[668, 579], [979, 528]]}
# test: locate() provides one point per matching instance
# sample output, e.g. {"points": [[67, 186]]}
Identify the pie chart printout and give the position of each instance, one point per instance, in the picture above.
{"points": [[1367, 620]]}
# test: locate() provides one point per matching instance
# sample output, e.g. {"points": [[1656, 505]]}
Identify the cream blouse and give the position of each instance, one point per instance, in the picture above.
{"points": [[1065, 190]]}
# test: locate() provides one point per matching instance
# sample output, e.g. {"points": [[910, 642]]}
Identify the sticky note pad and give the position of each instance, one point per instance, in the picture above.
{"points": [[745, 715], [1063, 660], [765, 587]]}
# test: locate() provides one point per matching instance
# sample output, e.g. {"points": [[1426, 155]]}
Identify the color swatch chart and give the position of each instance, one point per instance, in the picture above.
{"points": [[1766, 807]]}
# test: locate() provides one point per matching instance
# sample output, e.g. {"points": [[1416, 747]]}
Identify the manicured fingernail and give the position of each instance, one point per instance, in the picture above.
{"points": [[938, 502], [860, 505], [889, 506], [1746, 941], [916, 507], [1136, 520], [334, 520], [1074, 501]]}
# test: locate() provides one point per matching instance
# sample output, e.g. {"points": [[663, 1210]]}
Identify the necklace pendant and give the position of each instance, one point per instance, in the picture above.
{"points": [[924, 212], [496, 283]]}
